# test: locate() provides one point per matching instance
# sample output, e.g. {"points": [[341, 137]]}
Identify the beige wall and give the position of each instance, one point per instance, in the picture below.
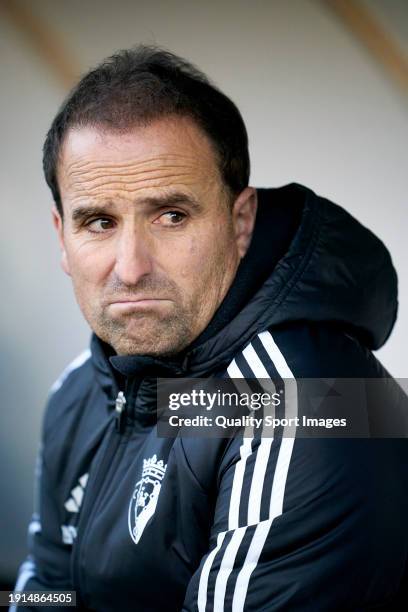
{"points": [[318, 112]]}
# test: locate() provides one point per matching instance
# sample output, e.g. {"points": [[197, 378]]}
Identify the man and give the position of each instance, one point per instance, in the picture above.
{"points": [[179, 276]]}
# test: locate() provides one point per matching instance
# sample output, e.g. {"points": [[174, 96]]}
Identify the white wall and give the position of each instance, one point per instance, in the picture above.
{"points": [[318, 111]]}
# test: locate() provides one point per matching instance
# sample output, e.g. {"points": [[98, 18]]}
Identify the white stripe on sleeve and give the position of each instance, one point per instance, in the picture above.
{"points": [[257, 484], [226, 568], [263, 452], [74, 365], [278, 486], [205, 572], [27, 571], [245, 451]]}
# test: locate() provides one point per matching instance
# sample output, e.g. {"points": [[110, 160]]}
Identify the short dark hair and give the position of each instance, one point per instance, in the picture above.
{"points": [[134, 87]]}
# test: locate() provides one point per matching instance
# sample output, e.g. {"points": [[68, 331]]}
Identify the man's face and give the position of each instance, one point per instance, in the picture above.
{"points": [[148, 235]]}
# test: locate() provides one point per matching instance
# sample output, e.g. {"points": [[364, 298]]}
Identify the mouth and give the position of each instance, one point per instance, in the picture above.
{"points": [[137, 303]]}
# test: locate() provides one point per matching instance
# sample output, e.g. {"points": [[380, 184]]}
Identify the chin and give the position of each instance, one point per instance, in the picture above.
{"points": [[130, 348], [155, 347], [153, 337]]}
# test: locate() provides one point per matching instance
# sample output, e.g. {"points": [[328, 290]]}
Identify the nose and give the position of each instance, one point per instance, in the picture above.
{"points": [[133, 257]]}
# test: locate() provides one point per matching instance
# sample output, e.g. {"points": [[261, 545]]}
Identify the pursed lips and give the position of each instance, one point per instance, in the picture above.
{"points": [[139, 299], [137, 302]]}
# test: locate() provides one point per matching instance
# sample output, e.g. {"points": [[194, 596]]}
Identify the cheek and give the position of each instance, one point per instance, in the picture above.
{"points": [[202, 259], [89, 263], [182, 262]]}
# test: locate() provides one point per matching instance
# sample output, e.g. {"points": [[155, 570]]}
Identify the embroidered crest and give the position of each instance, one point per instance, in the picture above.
{"points": [[144, 499]]}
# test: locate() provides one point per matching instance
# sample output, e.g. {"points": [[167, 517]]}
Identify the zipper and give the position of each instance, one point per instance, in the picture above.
{"points": [[91, 498], [120, 411]]}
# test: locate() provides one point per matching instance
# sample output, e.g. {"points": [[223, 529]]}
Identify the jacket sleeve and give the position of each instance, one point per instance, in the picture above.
{"points": [[305, 524], [47, 564]]}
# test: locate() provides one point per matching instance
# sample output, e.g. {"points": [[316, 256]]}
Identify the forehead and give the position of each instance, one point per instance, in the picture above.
{"points": [[168, 152]]}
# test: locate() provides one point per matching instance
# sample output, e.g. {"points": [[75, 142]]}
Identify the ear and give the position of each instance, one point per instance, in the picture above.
{"points": [[59, 226], [243, 217]]}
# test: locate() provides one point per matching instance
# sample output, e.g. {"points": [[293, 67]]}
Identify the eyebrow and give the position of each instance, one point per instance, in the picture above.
{"points": [[172, 199], [81, 213]]}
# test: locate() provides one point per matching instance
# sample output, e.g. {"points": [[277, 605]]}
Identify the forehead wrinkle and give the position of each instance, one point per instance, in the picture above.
{"points": [[81, 166], [127, 177], [131, 183], [101, 172], [158, 182], [93, 182]]}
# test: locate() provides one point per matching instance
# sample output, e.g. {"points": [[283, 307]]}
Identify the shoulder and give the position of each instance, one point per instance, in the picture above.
{"points": [[302, 358], [322, 350], [75, 365], [69, 390], [302, 349]]}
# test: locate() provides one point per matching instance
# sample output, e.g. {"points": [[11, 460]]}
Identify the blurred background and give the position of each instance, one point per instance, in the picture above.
{"points": [[322, 86]]}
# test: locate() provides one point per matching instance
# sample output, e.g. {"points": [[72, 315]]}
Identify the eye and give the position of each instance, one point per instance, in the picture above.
{"points": [[171, 218], [98, 226]]}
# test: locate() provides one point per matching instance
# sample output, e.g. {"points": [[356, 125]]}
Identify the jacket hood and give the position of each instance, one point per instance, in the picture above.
{"points": [[334, 270], [311, 261]]}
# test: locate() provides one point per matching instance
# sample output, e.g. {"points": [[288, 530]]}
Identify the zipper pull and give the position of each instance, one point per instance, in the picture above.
{"points": [[120, 403]]}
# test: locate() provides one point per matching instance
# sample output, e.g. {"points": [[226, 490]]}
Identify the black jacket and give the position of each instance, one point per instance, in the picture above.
{"points": [[134, 521]]}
